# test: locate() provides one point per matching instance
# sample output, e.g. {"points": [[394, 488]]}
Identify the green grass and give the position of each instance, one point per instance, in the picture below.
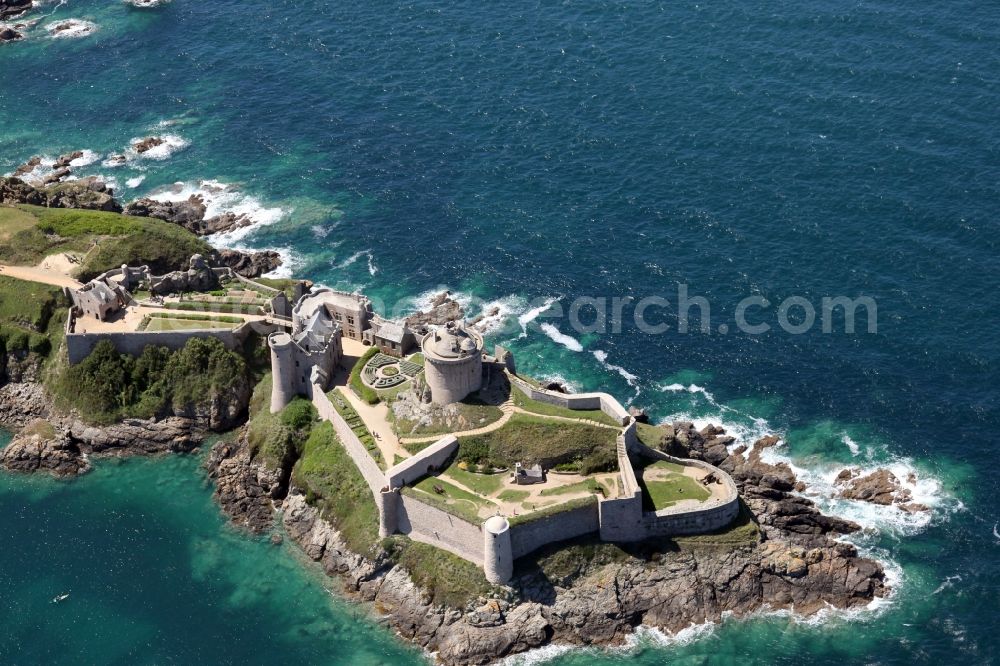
{"points": [[31, 316], [455, 500], [109, 239], [448, 579], [650, 435], [510, 495], [534, 439], [214, 306], [538, 407], [484, 484], [175, 324], [553, 510], [742, 531], [587, 485], [660, 494], [333, 483], [364, 392]]}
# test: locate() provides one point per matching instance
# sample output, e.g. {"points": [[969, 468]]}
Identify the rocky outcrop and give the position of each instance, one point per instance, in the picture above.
{"points": [[249, 264], [64, 160], [8, 34], [21, 403], [792, 563], [147, 144], [189, 214], [443, 310], [245, 488], [878, 487], [57, 455], [89, 193], [13, 8], [198, 277]]}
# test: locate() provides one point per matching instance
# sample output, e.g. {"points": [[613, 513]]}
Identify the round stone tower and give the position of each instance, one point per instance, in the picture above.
{"points": [[282, 370], [453, 363], [498, 560]]}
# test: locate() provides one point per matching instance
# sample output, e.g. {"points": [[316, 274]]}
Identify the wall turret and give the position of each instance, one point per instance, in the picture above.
{"points": [[498, 558], [282, 370]]}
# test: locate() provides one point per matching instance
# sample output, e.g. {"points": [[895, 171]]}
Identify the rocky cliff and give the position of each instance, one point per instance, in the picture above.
{"points": [[591, 593]]}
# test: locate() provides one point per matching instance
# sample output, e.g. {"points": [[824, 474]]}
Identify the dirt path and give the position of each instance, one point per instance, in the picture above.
{"points": [[40, 273]]}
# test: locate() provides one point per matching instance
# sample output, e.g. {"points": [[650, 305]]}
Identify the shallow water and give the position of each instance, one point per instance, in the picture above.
{"points": [[527, 152]]}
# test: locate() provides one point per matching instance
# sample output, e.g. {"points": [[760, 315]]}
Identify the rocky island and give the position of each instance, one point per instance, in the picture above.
{"points": [[475, 511]]}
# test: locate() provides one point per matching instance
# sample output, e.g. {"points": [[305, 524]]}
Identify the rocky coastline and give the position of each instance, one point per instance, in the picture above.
{"points": [[794, 562], [579, 593], [91, 193]]}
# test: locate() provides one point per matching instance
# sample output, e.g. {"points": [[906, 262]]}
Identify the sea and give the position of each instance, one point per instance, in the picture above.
{"points": [[732, 164]]}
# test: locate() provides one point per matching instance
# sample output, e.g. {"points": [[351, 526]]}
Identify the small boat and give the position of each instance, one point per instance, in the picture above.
{"points": [[60, 598]]}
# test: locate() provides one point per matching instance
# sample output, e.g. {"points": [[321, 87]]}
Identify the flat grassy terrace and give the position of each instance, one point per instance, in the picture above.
{"points": [[664, 484], [535, 439]]}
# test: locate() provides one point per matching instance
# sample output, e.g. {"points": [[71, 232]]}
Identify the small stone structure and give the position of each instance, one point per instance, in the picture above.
{"points": [[453, 363]]}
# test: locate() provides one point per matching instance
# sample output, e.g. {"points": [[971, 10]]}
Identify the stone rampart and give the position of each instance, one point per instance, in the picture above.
{"points": [[532, 535], [581, 401], [423, 522], [362, 459], [423, 463]]}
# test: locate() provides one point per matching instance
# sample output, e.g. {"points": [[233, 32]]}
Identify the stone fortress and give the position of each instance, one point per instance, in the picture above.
{"points": [[454, 367], [308, 337]]}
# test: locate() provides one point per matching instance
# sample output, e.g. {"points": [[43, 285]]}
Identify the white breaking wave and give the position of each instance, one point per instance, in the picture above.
{"points": [[88, 158], [135, 182], [567, 341], [851, 445], [505, 308], [372, 268], [222, 198], [146, 4], [70, 29], [171, 144], [532, 314]]}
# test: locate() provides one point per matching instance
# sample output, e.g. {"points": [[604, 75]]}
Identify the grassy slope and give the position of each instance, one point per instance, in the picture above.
{"points": [[333, 483], [31, 315], [531, 439], [109, 239]]}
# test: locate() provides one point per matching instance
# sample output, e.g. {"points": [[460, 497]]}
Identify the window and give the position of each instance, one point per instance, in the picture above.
{"points": [[336, 315], [350, 320]]}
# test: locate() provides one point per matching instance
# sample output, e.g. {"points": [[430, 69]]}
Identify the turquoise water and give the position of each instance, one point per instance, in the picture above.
{"points": [[531, 151]]}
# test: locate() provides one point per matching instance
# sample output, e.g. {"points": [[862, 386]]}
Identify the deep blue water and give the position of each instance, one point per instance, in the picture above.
{"points": [[527, 151]]}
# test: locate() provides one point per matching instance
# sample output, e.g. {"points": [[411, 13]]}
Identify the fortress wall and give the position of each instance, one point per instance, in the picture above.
{"points": [[713, 515], [413, 468], [362, 459], [422, 522], [584, 401], [621, 517], [717, 516], [79, 345], [527, 537], [256, 286]]}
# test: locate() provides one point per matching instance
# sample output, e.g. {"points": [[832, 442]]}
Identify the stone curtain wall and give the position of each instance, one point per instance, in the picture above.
{"points": [[79, 345], [585, 401], [621, 517], [530, 536], [429, 524], [362, 459], [716, 514], [434, 456]]}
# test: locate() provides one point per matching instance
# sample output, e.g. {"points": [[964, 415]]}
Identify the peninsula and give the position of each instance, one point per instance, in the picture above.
{"points": [[476, 511]]}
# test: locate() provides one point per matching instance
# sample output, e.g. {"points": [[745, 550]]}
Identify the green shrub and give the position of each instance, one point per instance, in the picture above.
{"points": [[298, 414], [364, 392], [108, 385]]}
